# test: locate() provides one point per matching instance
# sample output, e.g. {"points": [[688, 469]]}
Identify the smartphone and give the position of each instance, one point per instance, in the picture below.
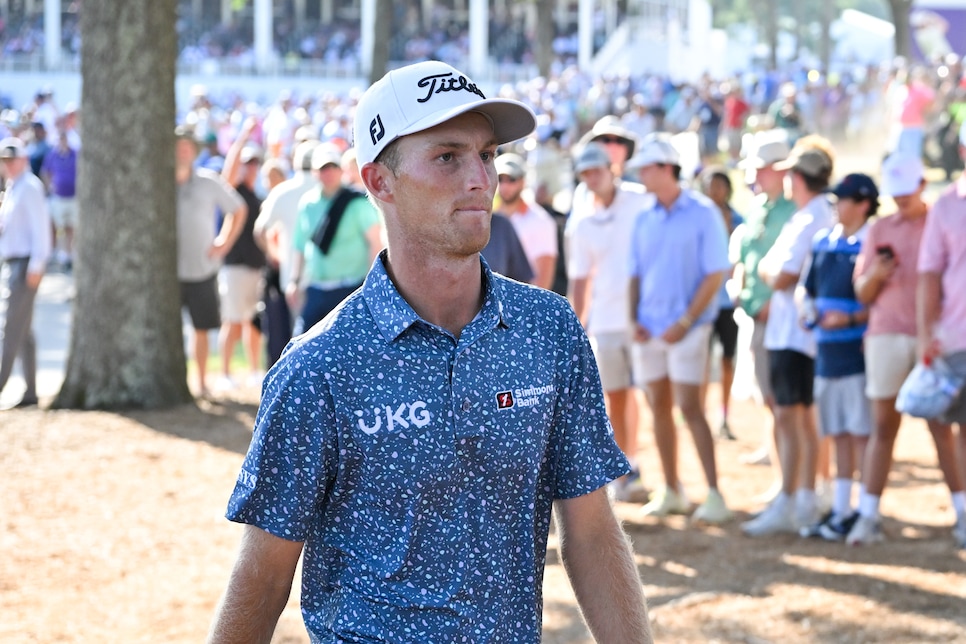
{"points": [[886, 251]]}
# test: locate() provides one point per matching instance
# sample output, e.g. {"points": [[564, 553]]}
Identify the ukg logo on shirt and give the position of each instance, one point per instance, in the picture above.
{"points": [[396, 419]]}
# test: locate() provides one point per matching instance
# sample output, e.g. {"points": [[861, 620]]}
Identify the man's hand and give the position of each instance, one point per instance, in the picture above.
{"points": [[641, 334], [33, 280], [675, 333]]}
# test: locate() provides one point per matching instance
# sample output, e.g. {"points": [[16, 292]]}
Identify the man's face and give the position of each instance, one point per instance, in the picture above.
{"points": [[616, 148], [851, 211], [185, 152], [441, 195], [330, 176], [510, 187], [599, 180], [769, 179], [655, 177], [13, 168]]}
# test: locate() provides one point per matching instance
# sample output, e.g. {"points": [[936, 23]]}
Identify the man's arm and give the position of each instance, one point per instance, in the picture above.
{"points": [[640, 333], [578, 297], [231, 228], [929, 293], [707, 291], [545, 267], [599, 562], [258, 589]]}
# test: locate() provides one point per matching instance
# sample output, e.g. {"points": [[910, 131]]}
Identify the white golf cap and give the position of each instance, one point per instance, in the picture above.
{"points": [[419, 96], [655, 148], [902, 175]]}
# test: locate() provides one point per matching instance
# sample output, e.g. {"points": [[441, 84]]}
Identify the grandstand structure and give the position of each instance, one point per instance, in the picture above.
{"points": [[300, 41]]}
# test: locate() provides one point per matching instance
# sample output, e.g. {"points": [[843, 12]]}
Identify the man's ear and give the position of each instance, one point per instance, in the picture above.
{"points": [[379, 181]]}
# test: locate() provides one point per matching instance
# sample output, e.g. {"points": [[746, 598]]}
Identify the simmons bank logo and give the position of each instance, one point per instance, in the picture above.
{"points": [[394, 418], [522, 397]]}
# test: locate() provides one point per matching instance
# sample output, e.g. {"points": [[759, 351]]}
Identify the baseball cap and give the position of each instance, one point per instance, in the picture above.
{"points": [[511, 165], [12, 148], [856, 186], [811, 162], [326, 154], [655, 148], [302, 156], [610, 127], [422, 95], [591, 155], [901, 175], [249, 153], [768, 147]]}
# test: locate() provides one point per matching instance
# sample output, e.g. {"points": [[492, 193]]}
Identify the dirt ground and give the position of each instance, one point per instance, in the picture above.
{"points": [[112, 530]]}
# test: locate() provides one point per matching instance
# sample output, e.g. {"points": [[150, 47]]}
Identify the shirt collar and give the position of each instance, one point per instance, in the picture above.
{"points": [[394, 316]]}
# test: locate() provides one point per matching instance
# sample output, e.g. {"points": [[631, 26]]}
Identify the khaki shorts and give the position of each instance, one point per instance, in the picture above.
{"points": [[760, 356], [889, 357], [684, 362], [613, 353], [240, 288], [842, 406], [63, 211]]}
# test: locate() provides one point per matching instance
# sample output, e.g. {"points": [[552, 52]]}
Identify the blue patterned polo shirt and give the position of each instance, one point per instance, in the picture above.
{"points": [[420, 470]]}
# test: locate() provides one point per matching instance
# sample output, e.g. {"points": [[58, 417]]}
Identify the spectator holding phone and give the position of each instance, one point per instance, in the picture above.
{"points": [[885, 281]]}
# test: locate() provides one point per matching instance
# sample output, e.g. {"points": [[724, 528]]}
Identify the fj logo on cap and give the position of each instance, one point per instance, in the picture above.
{"points": [[439, 83], [504, 400], [376, 129]]}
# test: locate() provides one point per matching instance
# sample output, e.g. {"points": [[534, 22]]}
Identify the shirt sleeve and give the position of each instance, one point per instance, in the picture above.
{"points": [[293, 455], [585, 453], [41, 242]]}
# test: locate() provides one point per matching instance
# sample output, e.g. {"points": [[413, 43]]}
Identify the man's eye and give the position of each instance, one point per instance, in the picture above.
{"points": [[486, 156], [446, 156]]}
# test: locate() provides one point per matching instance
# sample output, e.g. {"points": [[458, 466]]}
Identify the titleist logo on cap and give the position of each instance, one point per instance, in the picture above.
{"points": [[437, 85]]}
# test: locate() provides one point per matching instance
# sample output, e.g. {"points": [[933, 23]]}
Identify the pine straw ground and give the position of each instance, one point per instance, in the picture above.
{"points": [[112, 531]]}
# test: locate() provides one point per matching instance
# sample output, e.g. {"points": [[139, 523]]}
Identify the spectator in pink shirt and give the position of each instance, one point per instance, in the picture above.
{"points": [[941, 299], [885, 281], [912, 99]]}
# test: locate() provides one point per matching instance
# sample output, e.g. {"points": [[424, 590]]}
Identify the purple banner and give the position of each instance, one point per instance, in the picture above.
{"points": [[937, 31]]}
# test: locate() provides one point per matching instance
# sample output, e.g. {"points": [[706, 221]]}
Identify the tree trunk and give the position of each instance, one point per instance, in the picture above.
{"points": [[900, 18], [771, 32], [545, 34], [126, 346], [380, 40]]}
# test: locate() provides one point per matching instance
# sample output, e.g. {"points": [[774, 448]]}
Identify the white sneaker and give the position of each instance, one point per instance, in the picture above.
{"points": [[774, 519], [713, 510], [630, 488], [664, 502], [959, 530], [865, 531]]}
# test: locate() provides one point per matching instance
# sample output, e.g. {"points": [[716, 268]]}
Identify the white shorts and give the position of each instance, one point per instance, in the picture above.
{"points": [[613, 353], [842, 406], [63, 211], [889, 358], [240, 288], [684, 362]]}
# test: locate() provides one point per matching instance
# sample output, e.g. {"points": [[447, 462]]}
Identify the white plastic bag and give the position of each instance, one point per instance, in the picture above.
{"points": [[929, 389]]}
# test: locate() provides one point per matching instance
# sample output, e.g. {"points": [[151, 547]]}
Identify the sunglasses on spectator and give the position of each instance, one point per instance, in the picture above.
{"points": [[610, 139], [505, 178]]}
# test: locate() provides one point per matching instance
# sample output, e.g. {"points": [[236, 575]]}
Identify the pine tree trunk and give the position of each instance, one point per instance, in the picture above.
{"points": [[126, 346]]}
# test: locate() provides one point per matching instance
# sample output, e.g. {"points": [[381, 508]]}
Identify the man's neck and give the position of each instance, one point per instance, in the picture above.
{"points": [[456, 295], [915, 211], [668, 196], [182, 173], [516, 207], [606, 196]]}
